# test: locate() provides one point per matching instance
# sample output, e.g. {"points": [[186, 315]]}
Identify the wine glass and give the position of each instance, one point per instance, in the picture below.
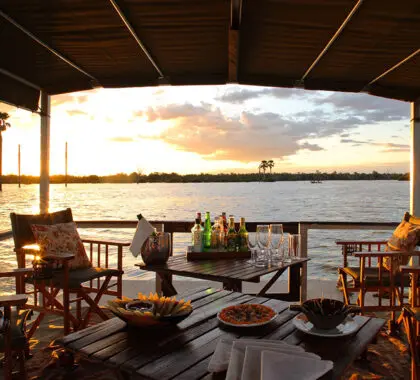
{"points": [[263, 240], [294, 247], [252, 245], [276, 242]]}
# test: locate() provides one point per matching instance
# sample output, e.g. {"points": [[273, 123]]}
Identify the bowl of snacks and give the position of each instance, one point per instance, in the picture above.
{"points": [[151, 310], [325, 313]]}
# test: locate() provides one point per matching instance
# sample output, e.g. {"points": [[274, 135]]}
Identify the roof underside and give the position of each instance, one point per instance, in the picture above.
{"points": [[63, 46]]}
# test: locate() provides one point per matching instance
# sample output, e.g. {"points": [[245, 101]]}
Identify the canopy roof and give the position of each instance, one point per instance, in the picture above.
{"points": [[63, 46]]}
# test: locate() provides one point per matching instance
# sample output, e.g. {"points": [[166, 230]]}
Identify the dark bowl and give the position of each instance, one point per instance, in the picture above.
{"points": [[325, 313], [134, 319]]}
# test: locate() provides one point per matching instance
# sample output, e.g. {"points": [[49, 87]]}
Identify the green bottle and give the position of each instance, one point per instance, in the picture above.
{"points": [[231, 235], [207, 231], [242, 237]]}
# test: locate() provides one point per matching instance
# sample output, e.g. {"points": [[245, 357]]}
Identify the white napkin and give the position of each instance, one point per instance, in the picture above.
{"points": [[280, 366], [251, 369], [143, 231], [236, 362]]}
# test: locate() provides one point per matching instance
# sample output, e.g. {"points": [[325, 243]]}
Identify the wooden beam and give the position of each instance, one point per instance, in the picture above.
{"points": [[95, 82], [233, 49]]}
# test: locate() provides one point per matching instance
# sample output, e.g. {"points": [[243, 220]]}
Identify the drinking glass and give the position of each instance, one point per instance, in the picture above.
{"points": [[252, 245], [294, 247], [263, 240], [276, 242]]}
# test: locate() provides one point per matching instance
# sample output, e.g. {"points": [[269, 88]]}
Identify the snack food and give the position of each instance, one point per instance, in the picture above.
{"points": [[247, 314], [150, 310]]}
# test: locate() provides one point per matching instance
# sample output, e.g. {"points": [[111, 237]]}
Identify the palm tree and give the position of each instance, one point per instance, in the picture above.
{"points": [[270, 164], [3, 126], [263, 166]]}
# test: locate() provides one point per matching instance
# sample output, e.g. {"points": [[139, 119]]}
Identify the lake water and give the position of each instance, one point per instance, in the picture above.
{"points": [[349, 201]]}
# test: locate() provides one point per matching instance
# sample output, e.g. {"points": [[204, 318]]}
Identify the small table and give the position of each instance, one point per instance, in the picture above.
{"points": [[183, 352], [231, 273]]}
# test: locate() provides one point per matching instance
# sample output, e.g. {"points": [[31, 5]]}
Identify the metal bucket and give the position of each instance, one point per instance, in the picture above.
{"points": [[156, 249]]}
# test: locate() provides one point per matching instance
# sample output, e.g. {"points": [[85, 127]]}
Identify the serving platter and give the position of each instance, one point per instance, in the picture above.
{"points": [[247, 324], [347, 327]]}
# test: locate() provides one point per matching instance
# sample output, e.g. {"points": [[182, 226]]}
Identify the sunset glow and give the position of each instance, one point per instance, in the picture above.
{"points": [[213, 129]]}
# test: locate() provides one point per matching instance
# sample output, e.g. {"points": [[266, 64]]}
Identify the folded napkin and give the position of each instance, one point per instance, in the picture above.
{"points": [[280, 366], [221, 357], [239, 347], [251, 368], [143, 231]]}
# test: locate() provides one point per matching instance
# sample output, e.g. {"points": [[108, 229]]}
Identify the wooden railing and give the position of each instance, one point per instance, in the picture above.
{"points": [[288, 227]]}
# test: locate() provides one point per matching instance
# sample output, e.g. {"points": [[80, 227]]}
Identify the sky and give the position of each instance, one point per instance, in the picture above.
{"points": [[213, 129]]}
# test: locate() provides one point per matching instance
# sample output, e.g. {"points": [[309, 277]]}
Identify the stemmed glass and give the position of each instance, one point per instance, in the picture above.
{"points": [[294, 247], [252, 245], [276, 242], [263, 240]]}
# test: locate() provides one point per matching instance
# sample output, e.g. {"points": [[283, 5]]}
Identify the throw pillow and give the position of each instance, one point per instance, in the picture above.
{"points": [[61, 238], [404, 239]]}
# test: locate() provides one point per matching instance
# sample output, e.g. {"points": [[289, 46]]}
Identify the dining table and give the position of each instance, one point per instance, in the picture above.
{"points": [[232, 273], [183, 351]]}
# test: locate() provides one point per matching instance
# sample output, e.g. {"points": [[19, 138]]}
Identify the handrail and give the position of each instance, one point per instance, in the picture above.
{"points": [[301, 227]]}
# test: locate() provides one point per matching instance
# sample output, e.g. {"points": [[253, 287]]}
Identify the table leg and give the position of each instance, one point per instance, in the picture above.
{"points": [[295, 282], [233, 285], [164, 285], [270, 283]]}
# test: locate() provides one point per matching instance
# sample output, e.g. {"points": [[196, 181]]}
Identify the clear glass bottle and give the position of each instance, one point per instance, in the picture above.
{"points": [[231, 235], [197, 236], [215, 234], [242, 237], [207, 231], [225, 229]]}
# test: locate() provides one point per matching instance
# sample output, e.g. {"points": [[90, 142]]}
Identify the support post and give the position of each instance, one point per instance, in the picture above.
{"points": [[44, 181], [415, 164], [19, 164], [303, 231], [66, 164], [415, 159]]}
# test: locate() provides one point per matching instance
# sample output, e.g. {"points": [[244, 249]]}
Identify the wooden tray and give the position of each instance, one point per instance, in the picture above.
{"points": [[213, 254]]}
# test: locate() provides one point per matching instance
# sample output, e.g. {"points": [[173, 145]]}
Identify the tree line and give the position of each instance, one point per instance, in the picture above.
{"points": [[206, 177]]}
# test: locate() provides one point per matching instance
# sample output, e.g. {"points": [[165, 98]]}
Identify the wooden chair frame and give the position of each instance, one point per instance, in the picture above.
{"points": [[7, 302], [412, 321], [45, 293]]}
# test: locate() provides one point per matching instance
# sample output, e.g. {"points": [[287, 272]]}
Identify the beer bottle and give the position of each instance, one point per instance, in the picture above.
{"points": [[207, 231], [231, 235], [243, 237]]}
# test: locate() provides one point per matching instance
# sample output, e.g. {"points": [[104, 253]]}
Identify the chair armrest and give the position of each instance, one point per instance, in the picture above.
{"points": [[60, 257], [386, 254], [348, 242], [107, 242], [410, 268], [16, 272], [13, 300]]}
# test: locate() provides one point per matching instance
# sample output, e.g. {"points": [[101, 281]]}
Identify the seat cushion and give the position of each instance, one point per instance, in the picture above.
{"points": [[79, 276], [372, 276], [61, 238]]}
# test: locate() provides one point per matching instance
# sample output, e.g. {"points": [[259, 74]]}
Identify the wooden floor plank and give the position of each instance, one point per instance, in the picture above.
{"points": [[106, 325]]}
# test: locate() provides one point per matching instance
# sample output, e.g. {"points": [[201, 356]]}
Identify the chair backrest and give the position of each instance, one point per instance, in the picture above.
{"points": [[21, 225]]}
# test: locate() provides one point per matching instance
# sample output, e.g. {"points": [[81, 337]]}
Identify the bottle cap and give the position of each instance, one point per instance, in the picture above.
{"points": [[242, 220]]}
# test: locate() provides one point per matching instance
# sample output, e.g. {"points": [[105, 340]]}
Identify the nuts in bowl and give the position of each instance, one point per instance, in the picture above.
{"points": [[150, 310]]}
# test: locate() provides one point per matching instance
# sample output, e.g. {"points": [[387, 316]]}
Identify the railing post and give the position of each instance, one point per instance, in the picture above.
{"points": [[44, 180], [303, 231]]}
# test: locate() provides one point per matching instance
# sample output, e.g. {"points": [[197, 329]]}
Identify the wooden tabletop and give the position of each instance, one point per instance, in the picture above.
{"points": [[216, 270], [184, 351]]}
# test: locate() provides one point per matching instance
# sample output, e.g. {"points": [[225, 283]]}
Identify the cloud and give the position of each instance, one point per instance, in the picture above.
{"points": [[57, 100], [205, 130], [313, 147], [238, 95], [122, 139], [387, 147], [369, 109], [76, 113]]}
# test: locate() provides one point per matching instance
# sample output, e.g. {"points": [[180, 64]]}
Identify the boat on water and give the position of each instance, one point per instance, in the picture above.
{"points": [[316, 181]]}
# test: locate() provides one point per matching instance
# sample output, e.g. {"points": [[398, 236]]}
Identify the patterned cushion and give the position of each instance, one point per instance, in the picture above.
{"points": [[61, 238], [404, 238]]}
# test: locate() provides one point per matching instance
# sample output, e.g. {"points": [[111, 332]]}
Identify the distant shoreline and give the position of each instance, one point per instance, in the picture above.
{"points": [[208, 178]]}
